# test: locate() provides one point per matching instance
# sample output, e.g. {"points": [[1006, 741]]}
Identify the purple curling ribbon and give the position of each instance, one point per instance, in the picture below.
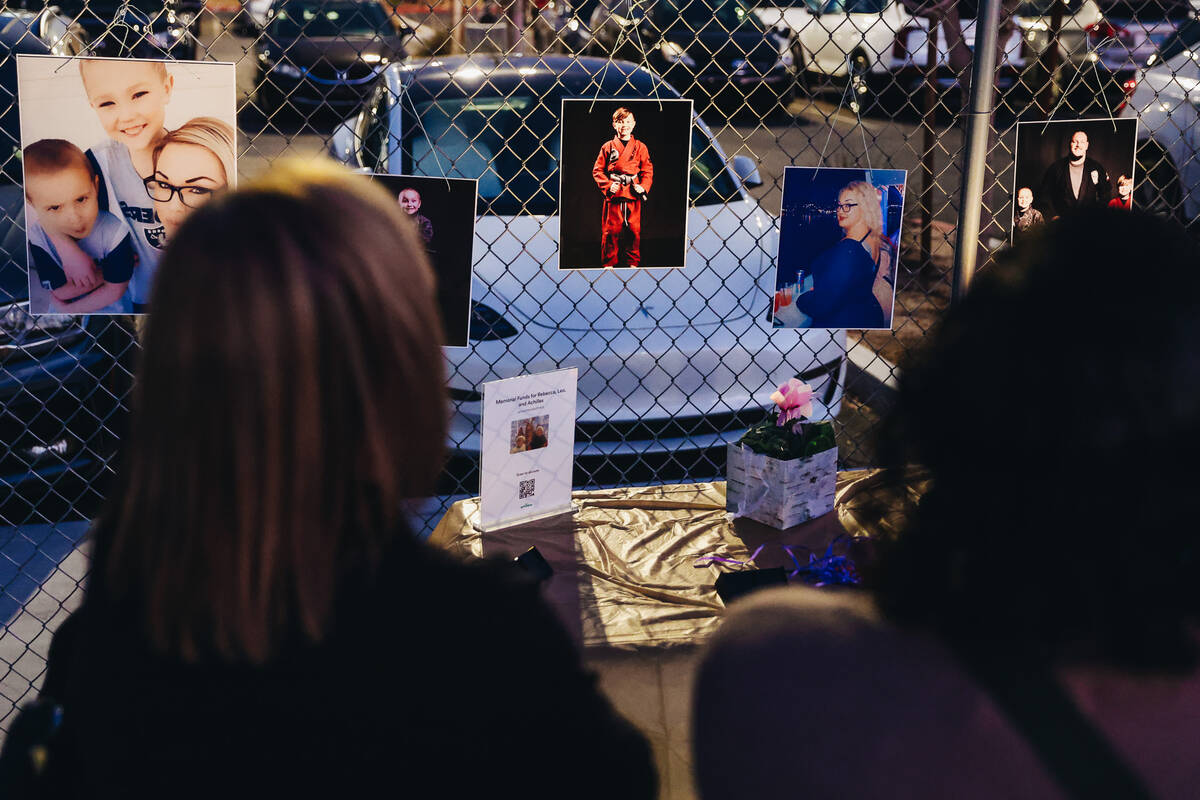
{"points": [[830, 569], [704, 561]]}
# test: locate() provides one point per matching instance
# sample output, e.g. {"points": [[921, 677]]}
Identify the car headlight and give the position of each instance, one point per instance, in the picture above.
{"points": [[786, 59], [19, 328], [488, 325], [163, 39], [673, 53], [286, 70]]}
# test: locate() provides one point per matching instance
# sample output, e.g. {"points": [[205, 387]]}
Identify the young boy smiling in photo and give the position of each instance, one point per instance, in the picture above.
{"points": [[623, 172], [81, 254], [130, 100]]}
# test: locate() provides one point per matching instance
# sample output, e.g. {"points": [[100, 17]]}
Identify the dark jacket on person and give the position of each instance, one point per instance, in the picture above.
{"points": [[439, 679], [1057, 197]]}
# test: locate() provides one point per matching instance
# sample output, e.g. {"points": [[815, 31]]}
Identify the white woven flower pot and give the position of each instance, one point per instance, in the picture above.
{"points": [[779, 493]]}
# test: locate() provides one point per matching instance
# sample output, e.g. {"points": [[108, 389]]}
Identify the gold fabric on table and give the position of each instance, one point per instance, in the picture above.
{"points": [[624, 563]]}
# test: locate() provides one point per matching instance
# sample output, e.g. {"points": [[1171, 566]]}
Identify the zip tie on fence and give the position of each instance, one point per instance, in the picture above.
{"points": [[1091, 51], [405, 95], [646, 63], [857, 108], [607, 62]]}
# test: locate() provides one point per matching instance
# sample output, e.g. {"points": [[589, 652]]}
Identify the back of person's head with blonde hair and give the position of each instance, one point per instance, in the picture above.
{"points": [[214, 135], [291, 395]]}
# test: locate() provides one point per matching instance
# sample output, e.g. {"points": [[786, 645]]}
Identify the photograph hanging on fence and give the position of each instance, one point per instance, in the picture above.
{"points": [[623, 187], [529, 433], [839, 241], [442, 211], [1068, 164], [116, 152]]}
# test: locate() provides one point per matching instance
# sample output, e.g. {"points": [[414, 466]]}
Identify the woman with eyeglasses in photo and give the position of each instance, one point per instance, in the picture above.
{"points": [[844, 275], [191, 164], [259, 619]]}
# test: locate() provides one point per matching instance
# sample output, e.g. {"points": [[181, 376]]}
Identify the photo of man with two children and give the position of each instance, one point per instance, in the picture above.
{"points": [[1071, 164]]}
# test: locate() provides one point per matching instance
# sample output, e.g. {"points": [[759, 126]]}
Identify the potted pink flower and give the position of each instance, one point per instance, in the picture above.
{"points": [[783, 471]]}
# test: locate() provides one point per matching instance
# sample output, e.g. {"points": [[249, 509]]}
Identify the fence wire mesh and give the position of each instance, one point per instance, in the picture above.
{"points": [[473, 90]]}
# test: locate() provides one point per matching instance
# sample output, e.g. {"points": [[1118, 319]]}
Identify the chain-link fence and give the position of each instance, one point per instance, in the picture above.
{"points": [[673, 363]]}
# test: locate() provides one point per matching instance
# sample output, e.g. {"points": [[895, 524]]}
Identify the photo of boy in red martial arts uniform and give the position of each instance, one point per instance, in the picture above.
{"points": [[624, 173]]}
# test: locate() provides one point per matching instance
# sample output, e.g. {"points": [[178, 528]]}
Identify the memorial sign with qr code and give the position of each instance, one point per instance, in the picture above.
{"points": [[527, 448]]}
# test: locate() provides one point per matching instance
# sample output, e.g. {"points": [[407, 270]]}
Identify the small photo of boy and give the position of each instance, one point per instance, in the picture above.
{"points": [[623, 195], [1124, 198], [120, 113], [82, 256], [1026, 216], [410, 201], [442, 211]]}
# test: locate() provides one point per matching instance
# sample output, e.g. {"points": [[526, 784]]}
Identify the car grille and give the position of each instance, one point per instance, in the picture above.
{"points": [[672, 428], [326, 72]]}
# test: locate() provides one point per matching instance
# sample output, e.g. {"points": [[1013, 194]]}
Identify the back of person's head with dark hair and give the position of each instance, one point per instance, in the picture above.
{"points": [[1057, 413], [291, 395]]}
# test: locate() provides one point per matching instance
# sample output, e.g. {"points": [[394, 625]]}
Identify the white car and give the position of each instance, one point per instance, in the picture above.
{"points": [[1165, 98], [879, 38], [673, 363]]}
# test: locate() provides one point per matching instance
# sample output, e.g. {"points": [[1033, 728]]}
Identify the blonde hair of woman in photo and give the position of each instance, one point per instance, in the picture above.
{"points": [[259, 613], [191, 164], [868, 198]]}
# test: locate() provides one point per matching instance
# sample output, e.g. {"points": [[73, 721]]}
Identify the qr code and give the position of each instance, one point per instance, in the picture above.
{"points": [[525, 489]]}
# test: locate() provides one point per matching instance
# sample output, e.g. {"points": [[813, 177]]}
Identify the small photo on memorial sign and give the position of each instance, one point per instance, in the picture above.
{"points": [[838, 243], [1069, 164], [623, 192], [116, 153], [531, 433], [442, 211]]}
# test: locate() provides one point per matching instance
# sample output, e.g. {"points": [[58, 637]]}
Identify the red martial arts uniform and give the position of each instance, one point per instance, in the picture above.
{"points": [[624, 163]]}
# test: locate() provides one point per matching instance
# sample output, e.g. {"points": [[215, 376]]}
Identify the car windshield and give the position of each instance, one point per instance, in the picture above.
{"points": [[1186, 39], [1145, 11], [695, 14], [1036, 8], [844, 6], [329, 19], [511, 146]]}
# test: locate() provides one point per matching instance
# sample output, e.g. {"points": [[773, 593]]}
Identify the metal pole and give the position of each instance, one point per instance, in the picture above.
{"points": [[928, 120], [456, 27], [979, 122]]}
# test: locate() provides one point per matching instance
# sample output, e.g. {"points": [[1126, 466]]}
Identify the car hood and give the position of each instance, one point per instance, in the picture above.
{"points": [[14, 278], [723, 47], [339, 51], [725, 262]]}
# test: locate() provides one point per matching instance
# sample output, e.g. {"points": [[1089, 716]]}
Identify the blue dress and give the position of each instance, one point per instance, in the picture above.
{"points": [[843, 276]]}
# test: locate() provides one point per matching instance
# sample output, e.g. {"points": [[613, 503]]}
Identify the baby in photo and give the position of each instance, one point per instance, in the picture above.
{"points": [[83, 256], [130, 100], [410, 203]]}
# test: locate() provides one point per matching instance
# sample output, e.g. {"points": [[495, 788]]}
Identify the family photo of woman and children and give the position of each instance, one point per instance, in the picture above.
{"points": [[530, 433], [116, 153]]}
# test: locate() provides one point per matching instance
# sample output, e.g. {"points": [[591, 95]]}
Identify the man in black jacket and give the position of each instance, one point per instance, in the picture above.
{"points": [[1075, 181]]}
